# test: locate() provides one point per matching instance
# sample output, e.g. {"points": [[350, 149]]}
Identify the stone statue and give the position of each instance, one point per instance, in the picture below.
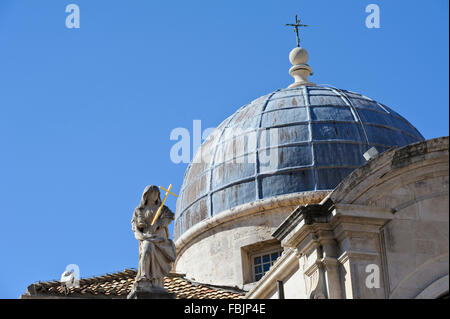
{"points": [[156, 249]]}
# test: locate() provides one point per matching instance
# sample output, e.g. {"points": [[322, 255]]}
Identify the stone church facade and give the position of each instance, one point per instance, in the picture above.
{"points": [[280, 201]]}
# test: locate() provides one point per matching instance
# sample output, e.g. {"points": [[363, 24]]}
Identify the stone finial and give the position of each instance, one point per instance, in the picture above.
{"points": [[300, 70]]}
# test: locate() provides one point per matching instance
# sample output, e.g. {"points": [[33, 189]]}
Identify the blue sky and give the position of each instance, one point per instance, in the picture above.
{"points": [[86, 114]]}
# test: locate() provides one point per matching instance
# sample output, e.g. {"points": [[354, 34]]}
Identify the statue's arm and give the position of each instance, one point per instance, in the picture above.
{"points": [[137, 233], [165, 219]]}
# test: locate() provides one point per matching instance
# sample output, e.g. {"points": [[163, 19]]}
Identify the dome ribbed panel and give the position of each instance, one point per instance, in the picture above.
{"points": [[318, 135]]}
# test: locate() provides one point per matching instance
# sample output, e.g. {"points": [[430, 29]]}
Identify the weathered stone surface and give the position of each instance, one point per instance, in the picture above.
{"points": [[156, 249]]}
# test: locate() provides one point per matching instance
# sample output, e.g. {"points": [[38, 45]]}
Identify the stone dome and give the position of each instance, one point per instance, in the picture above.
{"points": [[299, 139]]}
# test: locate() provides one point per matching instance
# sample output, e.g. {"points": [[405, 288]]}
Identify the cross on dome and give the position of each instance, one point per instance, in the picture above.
{"points": [[296, 26]]}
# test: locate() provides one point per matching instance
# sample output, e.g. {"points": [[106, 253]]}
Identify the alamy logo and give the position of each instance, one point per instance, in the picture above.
{"points": [[235, 146], [73, 19], [373, 19], [373, 279], [181, 151]]}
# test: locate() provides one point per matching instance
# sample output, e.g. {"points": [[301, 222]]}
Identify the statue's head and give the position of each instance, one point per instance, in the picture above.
{"points": [[151, 196]]}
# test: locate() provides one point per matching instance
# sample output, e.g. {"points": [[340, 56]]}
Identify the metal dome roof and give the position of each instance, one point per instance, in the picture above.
{"points": [[318, 135]]}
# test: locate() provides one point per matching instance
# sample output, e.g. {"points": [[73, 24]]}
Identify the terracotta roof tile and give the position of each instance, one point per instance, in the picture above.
{"points": [[119, 284]]}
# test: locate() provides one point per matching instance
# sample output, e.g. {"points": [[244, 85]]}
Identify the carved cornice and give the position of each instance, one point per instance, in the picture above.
{"points": [[308, 214], [354, 254]]}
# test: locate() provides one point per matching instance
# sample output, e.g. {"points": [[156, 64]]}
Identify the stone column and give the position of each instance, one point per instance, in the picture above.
{"points": [[308, 231], [317, 255], [357, 231], [330, 252]]}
